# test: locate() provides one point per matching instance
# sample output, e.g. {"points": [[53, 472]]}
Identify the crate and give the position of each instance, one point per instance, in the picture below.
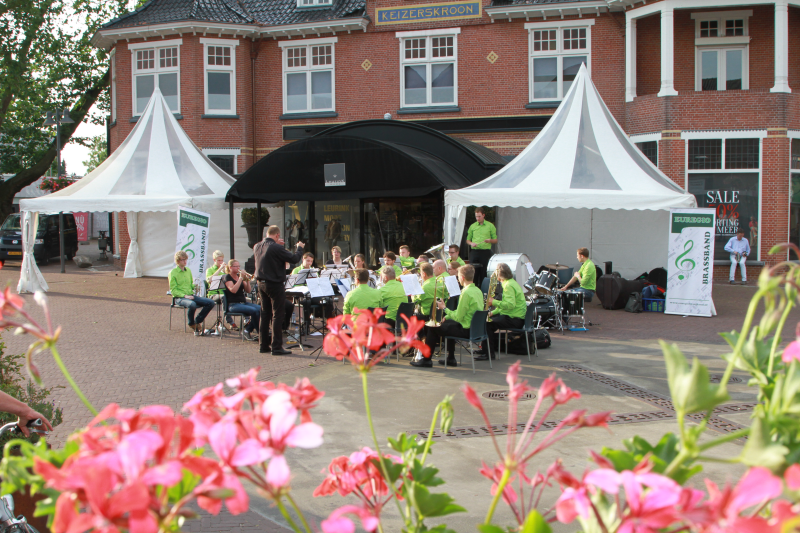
{"points": [[653, 305]]}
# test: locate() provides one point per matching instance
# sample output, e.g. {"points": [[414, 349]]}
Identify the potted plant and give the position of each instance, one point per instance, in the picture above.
{"points": [[254, 233]]}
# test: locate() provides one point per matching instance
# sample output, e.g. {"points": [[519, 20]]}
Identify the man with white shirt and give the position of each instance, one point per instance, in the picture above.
{"points": [[739, 249]]}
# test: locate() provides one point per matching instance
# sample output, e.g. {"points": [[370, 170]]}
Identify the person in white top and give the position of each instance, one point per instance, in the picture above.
{"points": [[739, 249]]}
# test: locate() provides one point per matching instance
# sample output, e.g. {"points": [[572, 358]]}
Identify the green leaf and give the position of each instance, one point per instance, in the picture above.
{"points": [[490, 528], [441, 528], [761, 451], [430, 505], [403, 443], [692, 391], [535, 523], [621, 460], [425, 475], [184, 487]]}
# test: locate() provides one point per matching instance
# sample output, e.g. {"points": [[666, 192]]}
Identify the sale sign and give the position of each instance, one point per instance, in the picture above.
{"points": [[82, 223]]}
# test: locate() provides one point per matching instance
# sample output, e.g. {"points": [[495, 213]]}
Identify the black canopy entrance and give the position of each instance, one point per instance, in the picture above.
{"points": [[346, 182]]}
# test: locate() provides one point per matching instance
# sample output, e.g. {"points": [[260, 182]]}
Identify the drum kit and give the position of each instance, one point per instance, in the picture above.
{"points": [[554, 309]]}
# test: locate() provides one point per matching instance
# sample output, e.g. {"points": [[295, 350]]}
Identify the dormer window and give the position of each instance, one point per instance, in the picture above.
{"points": [[314, 3]]}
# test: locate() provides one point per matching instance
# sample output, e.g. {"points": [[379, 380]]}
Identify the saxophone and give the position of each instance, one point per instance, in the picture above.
{"points": [[490, 294]]}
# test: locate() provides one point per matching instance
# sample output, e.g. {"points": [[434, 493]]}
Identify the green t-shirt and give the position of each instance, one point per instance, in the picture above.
{"points": [[513, 303], [212, 270], [471, 300], [460, 261], [406, 262], [397, 271], [362, 297], [588, 274], [180, 282], [480, 232], [392, 295]]}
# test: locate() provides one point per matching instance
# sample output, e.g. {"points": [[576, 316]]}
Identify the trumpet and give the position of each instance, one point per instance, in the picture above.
{"points": [[245, 276]]}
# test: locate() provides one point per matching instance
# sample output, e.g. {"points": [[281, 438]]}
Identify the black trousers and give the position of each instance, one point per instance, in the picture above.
{"points": [[480, 257], [449, 328], [273, 314], [500, 322]]}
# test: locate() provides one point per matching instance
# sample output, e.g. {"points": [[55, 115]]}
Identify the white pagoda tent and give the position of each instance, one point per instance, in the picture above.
{"points": [[581, 182], [154, 171]]}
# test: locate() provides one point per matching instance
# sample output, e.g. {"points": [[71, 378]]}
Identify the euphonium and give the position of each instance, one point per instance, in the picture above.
{"points": [[490, 294], [432, 321]]}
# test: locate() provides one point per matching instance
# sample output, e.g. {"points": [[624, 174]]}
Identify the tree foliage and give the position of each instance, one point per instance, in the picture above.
{"points": [[47, 62], [97, 155]]}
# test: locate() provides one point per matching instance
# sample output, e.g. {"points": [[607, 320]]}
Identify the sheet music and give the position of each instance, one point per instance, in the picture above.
{"points": [[453, 288], [291, 281], [300, 290], [530, 269], [319, 287], [344, 286], [215, 283], [411, 284]]}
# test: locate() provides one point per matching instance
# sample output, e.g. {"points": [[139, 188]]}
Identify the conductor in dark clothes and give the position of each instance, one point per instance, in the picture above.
{"points": [[271, 258]]}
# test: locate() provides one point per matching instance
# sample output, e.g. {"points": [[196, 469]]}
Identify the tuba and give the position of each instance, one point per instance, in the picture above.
{"points": [[432, 321], [490, 294], [438, 252]]}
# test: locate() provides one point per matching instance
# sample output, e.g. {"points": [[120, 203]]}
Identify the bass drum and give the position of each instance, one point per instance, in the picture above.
{"points": [[517, 264]]}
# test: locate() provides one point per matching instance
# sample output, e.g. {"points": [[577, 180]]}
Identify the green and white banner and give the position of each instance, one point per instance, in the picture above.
{"points": [[193, 239], [690, 271]]}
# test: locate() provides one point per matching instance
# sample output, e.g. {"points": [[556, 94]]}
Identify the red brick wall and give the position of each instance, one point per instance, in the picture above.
{"points": [[794, 48], [774, 226], [648, 55]]}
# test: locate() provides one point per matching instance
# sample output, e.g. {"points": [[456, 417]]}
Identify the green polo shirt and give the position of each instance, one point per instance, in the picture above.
{"points": [[392, 295], [513, 303], [588, 274], [471, 300], [406, 262], [425, 300], [480, 232], [458, 260], [212, 270], [362, 297], [397, 270], [180, 282]]}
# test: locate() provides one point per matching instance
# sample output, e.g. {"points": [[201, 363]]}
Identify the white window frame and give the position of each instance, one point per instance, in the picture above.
{"points": [[232, 44], [428, 61], [235, 152], [721, 17], [721, 65], [113, 61], [154, 45], [308, 43], [314, 3], [559, 53]]}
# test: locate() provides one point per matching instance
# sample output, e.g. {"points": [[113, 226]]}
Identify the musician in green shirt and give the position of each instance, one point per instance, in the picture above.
{"points": [[586, 276], [181, 286], [392, 295], [456, 323], [454, 252], [405, 259], [389, 258], [480, 237], [508, 312], [362, 296]]}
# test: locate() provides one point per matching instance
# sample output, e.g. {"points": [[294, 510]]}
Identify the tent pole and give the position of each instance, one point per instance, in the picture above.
{"points": [[230, 218]]}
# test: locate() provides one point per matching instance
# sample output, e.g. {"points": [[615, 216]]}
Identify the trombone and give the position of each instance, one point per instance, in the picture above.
{"points": [[433, 321]]}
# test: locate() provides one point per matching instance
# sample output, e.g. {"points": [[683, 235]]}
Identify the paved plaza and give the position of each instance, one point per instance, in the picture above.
{"points": [[117, 344]]}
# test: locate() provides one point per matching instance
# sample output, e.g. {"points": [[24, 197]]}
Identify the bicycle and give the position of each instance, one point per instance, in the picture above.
{"points": [[8, 522]]}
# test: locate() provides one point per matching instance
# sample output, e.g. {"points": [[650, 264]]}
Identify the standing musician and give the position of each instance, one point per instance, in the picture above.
{"points": [[271, 258], [237, 286], [456, 323], [508, 313], [406, 261], [586, 276], [336, 256], [453, 252], [481, 236], [362, 296], [308, 262], [392, 295]]}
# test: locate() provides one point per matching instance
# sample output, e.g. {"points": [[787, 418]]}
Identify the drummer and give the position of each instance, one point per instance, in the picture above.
{"points": [[509, 313], [586, 277]]}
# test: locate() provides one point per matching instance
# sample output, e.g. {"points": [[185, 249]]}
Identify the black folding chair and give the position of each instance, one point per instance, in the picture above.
{"points": [[227, 313], [400, 323], [529, 327], [477, 334], [172, 306]]}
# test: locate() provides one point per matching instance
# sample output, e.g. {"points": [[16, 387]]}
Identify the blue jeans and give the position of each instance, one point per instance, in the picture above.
{"points": [[192, 305], [587, 294], [251, 310]]}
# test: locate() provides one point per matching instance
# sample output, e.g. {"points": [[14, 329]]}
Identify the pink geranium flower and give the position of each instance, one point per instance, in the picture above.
{"points": [[791, 352]]}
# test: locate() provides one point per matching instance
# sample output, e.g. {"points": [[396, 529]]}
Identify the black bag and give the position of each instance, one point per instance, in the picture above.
{"points": [[517, 346], [634, 304]]}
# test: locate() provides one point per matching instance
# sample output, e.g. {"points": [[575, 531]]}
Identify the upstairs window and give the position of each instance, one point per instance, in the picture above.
{"points": [[429, 68], [220, 76], [722, 51], [308, 75], [156, 66], [556, 54]]}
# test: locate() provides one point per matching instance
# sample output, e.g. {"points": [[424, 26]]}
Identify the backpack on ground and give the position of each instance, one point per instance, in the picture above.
{"points": [[634, 304], [517, 346]]}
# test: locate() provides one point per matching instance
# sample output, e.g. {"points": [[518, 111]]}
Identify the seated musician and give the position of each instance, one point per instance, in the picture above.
{"points": [[362, 296], [237, 286], [426, 299], [452, 268], [336, 256], [456, 323], [586, 277], [440, 269], [326, 303], [508, 312], [389, 258], [423, 258], [359, 261], [181, 286], [392, 294], [218, 269], [453, 252], [406, 261]]}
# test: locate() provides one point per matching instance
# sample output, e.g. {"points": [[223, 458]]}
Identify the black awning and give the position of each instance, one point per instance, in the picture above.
{"points": [[381, 159]]}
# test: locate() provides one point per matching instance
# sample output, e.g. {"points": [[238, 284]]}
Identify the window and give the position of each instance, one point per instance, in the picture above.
{"points": [[113, 85], [308, 75], [225, 162], [220, 76], [722, 44], [314, 3], [429, 66], [156, 66], [556, 54], [722, 69], [728, 181], [650, 150]]}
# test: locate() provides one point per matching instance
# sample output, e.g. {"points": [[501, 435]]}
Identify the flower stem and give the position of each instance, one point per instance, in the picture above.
{"points": [[298, 512], [500, 488], [776, 338], [430, 435], [725, 438], [286, 515], [71, 381]]}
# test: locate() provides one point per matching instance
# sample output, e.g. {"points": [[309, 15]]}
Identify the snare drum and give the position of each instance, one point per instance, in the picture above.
{"points": [[546, 283], [516, 262], [572, 303]]}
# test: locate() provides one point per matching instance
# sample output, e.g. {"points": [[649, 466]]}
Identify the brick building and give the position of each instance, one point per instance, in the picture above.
{"points": [[704, 87]]}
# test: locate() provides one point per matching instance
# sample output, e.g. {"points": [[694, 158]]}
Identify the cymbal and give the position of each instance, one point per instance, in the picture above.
{"points": [[556, 267]]}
